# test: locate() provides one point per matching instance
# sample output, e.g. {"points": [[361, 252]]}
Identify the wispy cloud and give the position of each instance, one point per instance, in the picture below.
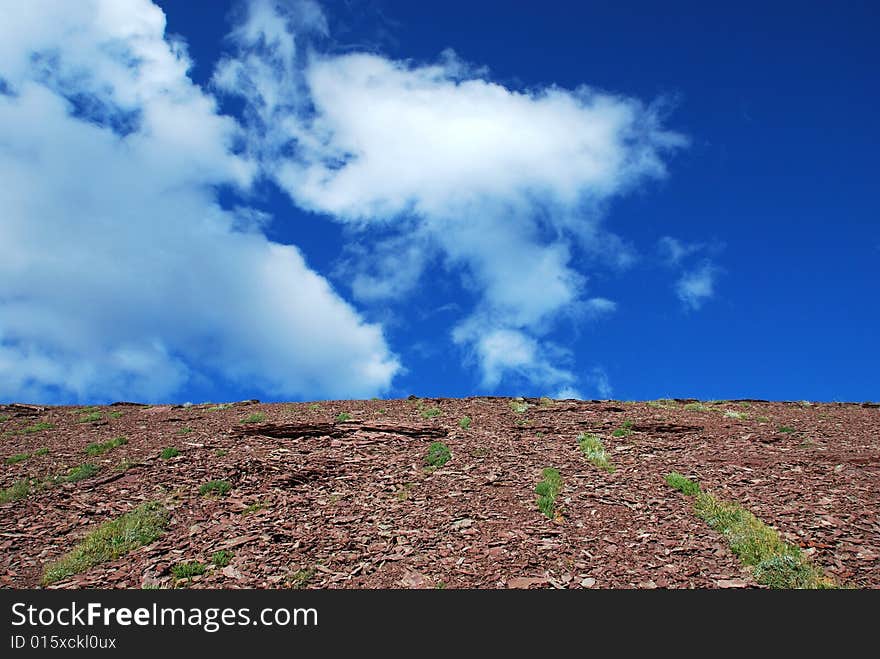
{"points": [[505, 186], [120, 274], [673, 251], [696, 283], [697, 286]]}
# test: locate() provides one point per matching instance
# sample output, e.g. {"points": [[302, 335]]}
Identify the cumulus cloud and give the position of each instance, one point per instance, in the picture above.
{"points": [[506, 186], [120, 274], [697, 286]]}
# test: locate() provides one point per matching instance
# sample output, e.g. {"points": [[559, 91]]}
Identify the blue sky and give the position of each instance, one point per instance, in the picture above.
{"points": [[293, 200]]}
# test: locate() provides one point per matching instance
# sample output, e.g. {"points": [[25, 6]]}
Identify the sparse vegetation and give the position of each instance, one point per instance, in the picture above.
{"points": [[79, 473], [682, 484], [431, 412], [187, 570], [775, 563], [38, 427], [787, 430], [126, 463], [763, 419], [218, 408], [545, 401], [112, 539], [594, 451], [256, 417], [519, 406], [185, 430], [168, 453], [216, 487], [662, 403], [343, 416], [696, 407], [301, 577], [464, 422], [314, 407], [438, 455], [18, 457], [42, 451], [4, 418], [18, 490], [97, 448], [220, 452], [406, 490], [91, 417], [221, 558], [547, 490], [732, 414], [625, 429], [115, 414], [254, 507]]}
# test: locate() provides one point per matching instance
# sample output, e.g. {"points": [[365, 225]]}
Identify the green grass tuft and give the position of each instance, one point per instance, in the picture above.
{"points": [[218, 408], [731, 414], [682, 484], [547, 490], [185, 430], [18, 457], [438, 454], [41, 451], [80, 472], [464, 422], [431, 412], [256, 417], [115, 415], [787, 429], [254, 507], [775, 563], [343, 416], [111, 540], [221, 558], [695, 407], [38, 427], [594, 451], [90, 417], [19, 490], [187, 570], [519, 406], [168, 453], [625, 429], [99, 448], [219, 488]]}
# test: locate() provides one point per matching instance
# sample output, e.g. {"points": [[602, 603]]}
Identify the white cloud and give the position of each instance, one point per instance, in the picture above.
{"points": [[673, 251], [120, 275], [508, 185], [697, 286], [567, 393], [599, 379], [600, 306], [505, 352]]}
